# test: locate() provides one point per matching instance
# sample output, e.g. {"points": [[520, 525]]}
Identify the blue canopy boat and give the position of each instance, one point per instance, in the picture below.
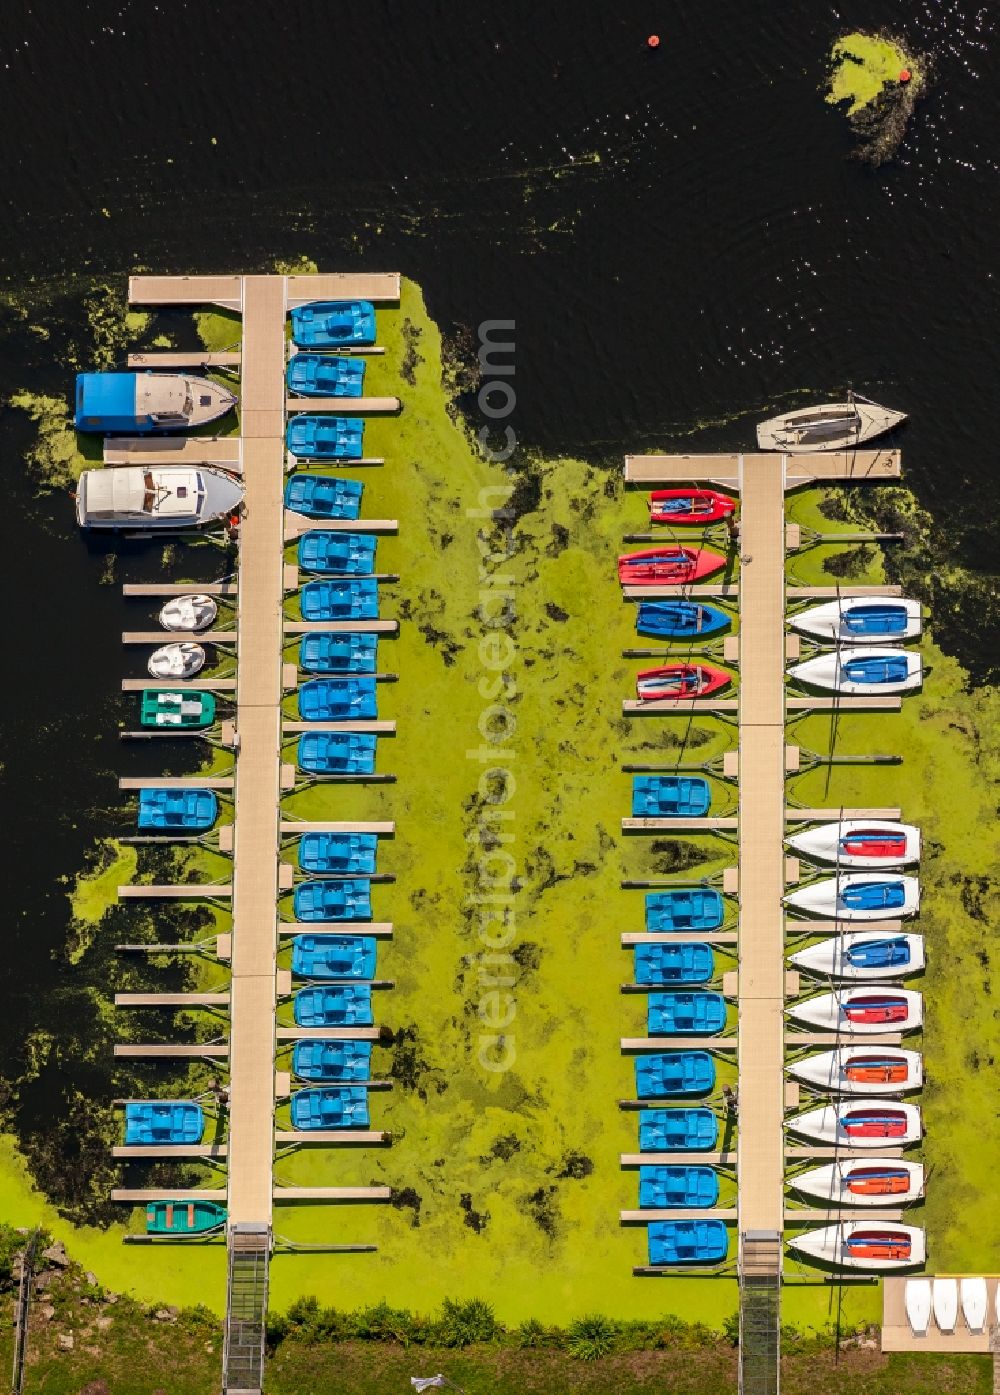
{"points": [[340, 600], [337, 753], [678, 1186], [674, 1073], [332, 1060], [325, 652], [320, 1108], [687, 1242], [667, 963], [685, 1014], [676, 1130], [333, 956], [339, 554], [670, 796], [164, 1121], [325, 438], [142, 404], [699, 909], [329, 900], [679, 619], [326, 375], [350, 853], [323, 496], [343, 1005], [325, 324], [338, 699], [171, 809], [879, 954]]}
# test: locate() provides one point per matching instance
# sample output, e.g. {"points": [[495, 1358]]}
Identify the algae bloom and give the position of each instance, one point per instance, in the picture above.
{"points": [[880, 81]]}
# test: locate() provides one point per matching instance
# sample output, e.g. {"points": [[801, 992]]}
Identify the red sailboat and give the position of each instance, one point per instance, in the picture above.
{"points": [[668, 566], [699, 506], [679, 681]]}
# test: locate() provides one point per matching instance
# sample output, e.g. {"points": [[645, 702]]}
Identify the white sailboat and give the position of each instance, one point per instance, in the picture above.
{"points": [[861, 1124], [827, 426], [872, 1245], [975, 1303], [860, 620], [862, 671], [870, 954], [861, 1011], [873, 1182], [917, 1301], [945, 1300], [862, 1070], [857, 843], [858, 896]]}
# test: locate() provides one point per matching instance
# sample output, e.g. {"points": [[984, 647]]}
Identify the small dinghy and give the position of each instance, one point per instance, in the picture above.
{"points": [[668, 566], [677, 1130], [674, 1073], [184, 708], [975, 1303], [163, 1121], [340, 600], [917, 1302], [188, 613], [871, 1245], [324, 652], [350, 854], [701, 908], [679, 681], [148, 403], [176, 660], [332, 1060], [326, 324], [337, 753], [325, 438], [858, 896], [350, 899], [346, 1005], [162, 810], [854, 843], [862, 671], [856, 1011], [323, 496], [685, 1014], [338, 554], [698, 506], [144, 498], [827, 426], [670, 796], [679, 619], [869, 954], [338, 700], [860, 620], [875, 1182], [667, 963], [687, 1242], [321, 1108], [661, 1187], [180, 1218], [860, 1125], [945, 1301], [856, 1070], [325, 375], [333, 956]]}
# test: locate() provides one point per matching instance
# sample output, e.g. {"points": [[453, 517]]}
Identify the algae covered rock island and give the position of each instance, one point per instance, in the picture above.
{"points": [[877, 81]]}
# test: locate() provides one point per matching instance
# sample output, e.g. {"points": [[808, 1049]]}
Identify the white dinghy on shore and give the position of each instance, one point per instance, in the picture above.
{"points": [[917, 1301], [945, 1299], [975, 1303], [858, 843]]}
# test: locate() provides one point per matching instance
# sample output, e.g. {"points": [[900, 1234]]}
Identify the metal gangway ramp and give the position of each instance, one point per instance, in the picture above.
{"points": [[760, 1311], [246, 1309]]}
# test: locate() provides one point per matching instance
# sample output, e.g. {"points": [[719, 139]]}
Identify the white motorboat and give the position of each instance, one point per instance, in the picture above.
{"points": [[917, 1301], [827, 426], [188, 613], [856, 843], [871, 1245], [868, 954], [176, 660], [975, 1303], [861, 1124], [861, 670], [860, 620], [945, 1301], [861, 1011], [873, 1182], [862, 1070], [858, 896], [156, 498]]}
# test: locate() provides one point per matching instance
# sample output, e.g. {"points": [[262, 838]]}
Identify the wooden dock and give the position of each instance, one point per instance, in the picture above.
{"points": [[224, 451]]}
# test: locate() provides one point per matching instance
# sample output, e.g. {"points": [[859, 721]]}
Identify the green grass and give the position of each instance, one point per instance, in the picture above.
{"points": [[864, 65]]}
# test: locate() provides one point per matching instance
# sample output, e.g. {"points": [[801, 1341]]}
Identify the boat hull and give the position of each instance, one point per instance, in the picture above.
{"points": [[873, 1182], [677, 1130], [670, 796], [862, 1011], [668, 566], [117, 497], [834, 958], [679, 682], [858, 896], [679, 619], [696, 507], [851, 424], [860, 620], [859, 1070], [854, 844], [866, 1245], [857, 1124], [886, 671]]}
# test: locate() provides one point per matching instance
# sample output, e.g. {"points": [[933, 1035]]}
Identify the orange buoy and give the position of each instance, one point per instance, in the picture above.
{"points": [[905, 75], [653, 41]]}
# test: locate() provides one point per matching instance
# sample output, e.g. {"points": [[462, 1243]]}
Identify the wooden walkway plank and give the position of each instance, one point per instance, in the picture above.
{"points": [[342, 627], [169, 1050], [186, 588], [180, 892], [178, 637], [184, 358], [136, 1196], [386, 828], [173, 450], [385, 727], [346, 406], [381, 288], [186, 290], [180, 782], [196, 685], [296, 524]]}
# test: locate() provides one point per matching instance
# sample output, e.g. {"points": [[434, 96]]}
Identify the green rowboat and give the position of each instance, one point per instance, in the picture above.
{"points": [[183, 1217], [174, 707]]}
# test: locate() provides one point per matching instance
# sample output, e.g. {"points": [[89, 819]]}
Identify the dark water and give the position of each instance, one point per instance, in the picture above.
{"points": [[681, 237]]}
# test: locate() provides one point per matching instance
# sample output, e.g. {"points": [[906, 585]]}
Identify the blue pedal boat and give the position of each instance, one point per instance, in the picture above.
{"points": [[337, 700], [334, 956], [679, 619], [352, 854], [320, 1108], [336, 753], [701, 908], [330, 324], [325, 652], [343, 1005], [329, 900], [687, 1242], [164, 1121], [332, 1060], [172, 809], [325, 438], [338, 554], [667, 963], [674, 1073], [678, 1186], [340, 600], [670, 796], [326, 375], [677, 1130], [685, 1014], [323, 496]]}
